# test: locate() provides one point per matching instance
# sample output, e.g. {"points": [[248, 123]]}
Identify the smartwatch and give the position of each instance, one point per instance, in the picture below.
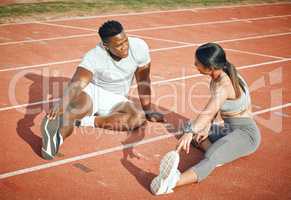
{"points": [[188, 127]]}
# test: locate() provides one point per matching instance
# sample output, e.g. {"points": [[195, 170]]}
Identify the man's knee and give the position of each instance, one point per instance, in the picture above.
{"points": [[81, 104], [136, 120], [141, 118]]}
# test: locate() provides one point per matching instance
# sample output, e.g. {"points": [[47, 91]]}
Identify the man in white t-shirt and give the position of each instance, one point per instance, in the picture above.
{"points": [[97, 93]]}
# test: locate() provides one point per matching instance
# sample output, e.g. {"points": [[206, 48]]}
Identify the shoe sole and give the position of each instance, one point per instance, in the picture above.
{"points": [[49, 131], [168, 166]]}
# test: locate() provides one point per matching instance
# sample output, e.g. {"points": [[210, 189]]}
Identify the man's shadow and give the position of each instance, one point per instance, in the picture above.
{"points": [[40, 90], [173, 126], [144, 178]]}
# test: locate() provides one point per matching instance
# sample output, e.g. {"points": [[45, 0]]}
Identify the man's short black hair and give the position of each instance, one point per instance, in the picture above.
{"points": [[109, 29]]}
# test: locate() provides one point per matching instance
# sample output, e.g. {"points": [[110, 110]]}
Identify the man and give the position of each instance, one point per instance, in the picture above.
{"points": [[97, 92]]}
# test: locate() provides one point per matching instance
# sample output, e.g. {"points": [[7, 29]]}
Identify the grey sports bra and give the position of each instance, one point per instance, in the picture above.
{"points": [[237, 105]]}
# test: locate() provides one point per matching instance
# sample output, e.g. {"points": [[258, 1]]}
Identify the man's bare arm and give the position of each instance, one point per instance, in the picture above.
{"points": [[79, 81], [143, 81]]}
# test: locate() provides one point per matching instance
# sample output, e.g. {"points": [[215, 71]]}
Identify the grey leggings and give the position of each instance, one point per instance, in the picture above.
{"points": [[237, 138]]}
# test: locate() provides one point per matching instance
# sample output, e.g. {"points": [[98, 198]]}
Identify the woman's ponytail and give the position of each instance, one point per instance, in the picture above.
{"points": [[236, 81]]}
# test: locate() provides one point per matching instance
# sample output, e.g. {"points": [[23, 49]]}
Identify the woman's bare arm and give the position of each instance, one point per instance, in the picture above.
{"points": [[218, 97]]}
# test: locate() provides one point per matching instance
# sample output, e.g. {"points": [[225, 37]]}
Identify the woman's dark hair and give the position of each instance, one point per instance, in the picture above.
{"points": [[109, 29], [212, 56]]}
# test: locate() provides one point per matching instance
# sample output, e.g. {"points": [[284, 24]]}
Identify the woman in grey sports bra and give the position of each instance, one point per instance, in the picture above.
{"points": [[238, 137]]}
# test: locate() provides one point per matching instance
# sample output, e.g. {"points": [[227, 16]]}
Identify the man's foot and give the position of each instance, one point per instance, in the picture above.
{"points": [[169, 174], [51, 138]]}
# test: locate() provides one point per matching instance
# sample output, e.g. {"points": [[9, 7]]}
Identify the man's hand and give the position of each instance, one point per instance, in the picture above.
{"points": [[54, 112], [155, 116]]}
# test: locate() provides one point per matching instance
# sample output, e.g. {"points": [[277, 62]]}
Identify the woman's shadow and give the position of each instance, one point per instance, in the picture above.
{"points": [[40, 90]]}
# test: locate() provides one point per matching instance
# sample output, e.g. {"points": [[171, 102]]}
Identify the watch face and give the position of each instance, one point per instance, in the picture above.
{"points": [[187, 128]]}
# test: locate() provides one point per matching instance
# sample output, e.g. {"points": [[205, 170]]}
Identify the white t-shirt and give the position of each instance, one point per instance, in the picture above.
{"points": [[116, 76]]}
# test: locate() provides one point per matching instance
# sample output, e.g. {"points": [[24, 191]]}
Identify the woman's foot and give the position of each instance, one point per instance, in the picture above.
{"points": [[169, 175]]}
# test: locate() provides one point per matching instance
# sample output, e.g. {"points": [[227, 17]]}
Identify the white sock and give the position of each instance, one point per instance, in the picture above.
{"points": [[61, 139], [88, 121]]}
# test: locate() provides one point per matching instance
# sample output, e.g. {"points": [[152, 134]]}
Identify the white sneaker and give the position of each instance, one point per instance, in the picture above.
{"points": [[169, 174]]}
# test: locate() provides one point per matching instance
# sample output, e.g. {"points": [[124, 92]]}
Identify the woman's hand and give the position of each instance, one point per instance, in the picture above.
{"points": [[185, 142], [201, 136]]}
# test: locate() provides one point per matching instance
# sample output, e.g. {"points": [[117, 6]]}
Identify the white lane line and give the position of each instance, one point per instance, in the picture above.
{"points": [[278, 113], [225, 41], [102, 16], [49, 39], [208, 23], [264, 63], [174, 26], [3, 69], [172, 48], [40, 65], [281, 114], [256, 106], [254, 53], [197, 44], [153, 12], [29, 104], [109, 150], [253, 37], [68, 26], [134, 30], [271, 109], [159, 39], [153, 83], [77, 36], [198, 75], [242, 5]]}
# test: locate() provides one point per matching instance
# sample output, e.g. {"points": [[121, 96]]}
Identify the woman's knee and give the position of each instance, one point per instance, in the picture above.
{"points": [[203, 168]]}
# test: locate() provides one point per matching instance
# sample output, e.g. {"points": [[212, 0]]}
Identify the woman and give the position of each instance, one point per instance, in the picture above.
{"points": [[237, 138]]}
